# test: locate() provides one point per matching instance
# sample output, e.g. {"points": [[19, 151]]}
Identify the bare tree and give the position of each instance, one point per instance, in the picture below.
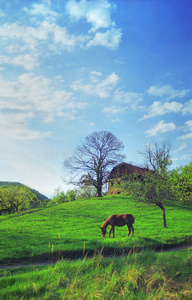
{"points": [[93, 159], [157, 157]]}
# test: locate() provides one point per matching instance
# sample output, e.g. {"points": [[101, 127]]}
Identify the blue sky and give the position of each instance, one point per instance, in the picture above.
{"points": [[68, 68]]}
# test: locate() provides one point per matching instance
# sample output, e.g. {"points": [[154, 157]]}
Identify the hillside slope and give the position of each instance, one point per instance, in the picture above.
{"points": [[40, 196], [72, 229]]}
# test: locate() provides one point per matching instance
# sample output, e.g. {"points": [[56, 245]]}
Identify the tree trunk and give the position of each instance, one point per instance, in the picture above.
{"points": [[163, 210], [99, 191]]}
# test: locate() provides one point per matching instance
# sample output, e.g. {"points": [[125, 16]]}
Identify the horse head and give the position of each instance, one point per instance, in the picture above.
{"points": [[103, 231]]}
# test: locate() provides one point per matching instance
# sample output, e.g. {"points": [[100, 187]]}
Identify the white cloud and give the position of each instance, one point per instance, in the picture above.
{"points": [[186, 136], [110, 80], [127, 97], [30, 97], [158, 109], [187, 127], [113, 109], [98, 13], [32, 37], [187, 108], [109, 39], [21, 38], [45, 31], [182, 147], [161, 127], [116, 120], [166, 91], [14, 125], [43, 9], [28, 61], [94, 76], [189, 124], [96, 85], [26, 34]]}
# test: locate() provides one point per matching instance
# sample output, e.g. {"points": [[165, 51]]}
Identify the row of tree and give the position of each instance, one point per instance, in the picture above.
{"points": [[19, 198], [91, 165], [94, 158], [15, 198], [159, 184]]}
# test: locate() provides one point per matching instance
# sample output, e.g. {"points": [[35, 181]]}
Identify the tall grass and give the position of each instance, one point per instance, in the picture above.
{"points": [[144, 275]]}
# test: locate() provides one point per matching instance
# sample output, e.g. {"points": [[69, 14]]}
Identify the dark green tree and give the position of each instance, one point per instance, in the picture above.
{"points": [[181, 179], [15, 198]]}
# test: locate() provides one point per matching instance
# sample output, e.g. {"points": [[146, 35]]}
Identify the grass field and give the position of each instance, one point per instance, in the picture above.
{"points": [[70, 230], [100, 268], [144, 275]]}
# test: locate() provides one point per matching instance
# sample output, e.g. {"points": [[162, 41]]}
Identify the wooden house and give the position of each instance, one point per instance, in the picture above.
{"points": [[119, 173]]}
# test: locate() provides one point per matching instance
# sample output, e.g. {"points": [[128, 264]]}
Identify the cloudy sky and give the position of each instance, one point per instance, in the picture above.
{"points": [[68, 68]]}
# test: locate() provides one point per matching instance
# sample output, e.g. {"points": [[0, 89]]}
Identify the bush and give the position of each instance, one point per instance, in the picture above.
{"points": [[181, 179], [86, 192], [62, 197]]}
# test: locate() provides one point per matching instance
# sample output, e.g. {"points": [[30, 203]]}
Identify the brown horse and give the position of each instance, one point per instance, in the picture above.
{"points": [[118, 220]]}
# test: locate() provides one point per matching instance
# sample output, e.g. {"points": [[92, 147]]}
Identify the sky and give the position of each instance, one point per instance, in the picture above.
{"points": [[69, 68]]}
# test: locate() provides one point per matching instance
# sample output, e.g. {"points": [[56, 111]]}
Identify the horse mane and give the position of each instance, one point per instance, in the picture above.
{"points": [[105, 224]]}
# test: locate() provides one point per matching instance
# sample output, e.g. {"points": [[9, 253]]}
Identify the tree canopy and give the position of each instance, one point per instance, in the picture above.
{"points": [[93, 160], [15, 198], [181, 180], [154, 187]]}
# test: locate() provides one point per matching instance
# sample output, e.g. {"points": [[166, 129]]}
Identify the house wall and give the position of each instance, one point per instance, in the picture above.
{"points": [[118, 173]]}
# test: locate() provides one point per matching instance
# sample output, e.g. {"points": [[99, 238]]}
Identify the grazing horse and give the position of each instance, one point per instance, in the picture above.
{"points": [[118, 220]]}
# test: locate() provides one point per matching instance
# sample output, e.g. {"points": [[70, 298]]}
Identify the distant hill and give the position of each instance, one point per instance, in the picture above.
{"points": [[40, 196]]}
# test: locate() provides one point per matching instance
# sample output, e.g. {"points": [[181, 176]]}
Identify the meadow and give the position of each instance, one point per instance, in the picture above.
{"points": [[92, 267], [72, 229]]}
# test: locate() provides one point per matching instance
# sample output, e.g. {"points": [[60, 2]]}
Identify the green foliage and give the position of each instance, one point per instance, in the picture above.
{"points": [[15, 198], [9, 184], [152, 187], [181, 180], [62, 197], [86, 192], [157, 186], [71, 195]]}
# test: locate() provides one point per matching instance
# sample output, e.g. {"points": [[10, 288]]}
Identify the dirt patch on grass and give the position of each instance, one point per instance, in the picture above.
{"points": [[42, 262]]}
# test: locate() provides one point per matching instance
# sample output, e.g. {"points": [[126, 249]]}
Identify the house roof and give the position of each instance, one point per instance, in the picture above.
{"points": [[125, 169]]}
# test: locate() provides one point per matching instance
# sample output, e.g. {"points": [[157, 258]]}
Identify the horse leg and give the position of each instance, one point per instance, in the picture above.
{"points": [[132, 229], [113, 232], [128, 226], [110, 231]]}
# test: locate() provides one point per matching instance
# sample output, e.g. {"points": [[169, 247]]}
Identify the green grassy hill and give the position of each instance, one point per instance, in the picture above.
{"points": [[72, 229], [40, 196]]}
